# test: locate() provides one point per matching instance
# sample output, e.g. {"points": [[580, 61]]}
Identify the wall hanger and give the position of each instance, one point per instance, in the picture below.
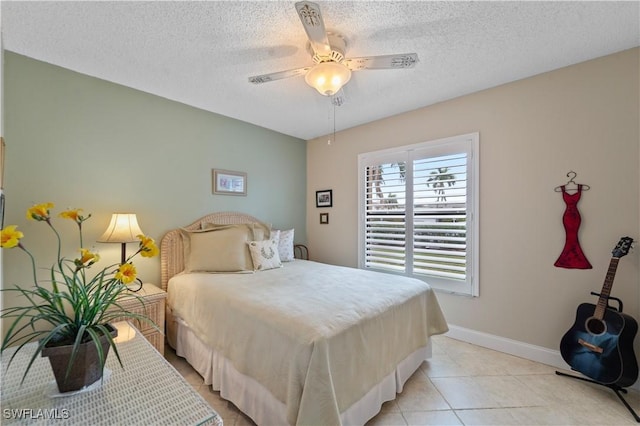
{"points": [[572, 175]]}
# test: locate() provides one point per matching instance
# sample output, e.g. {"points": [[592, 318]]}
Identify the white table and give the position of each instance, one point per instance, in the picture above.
{"points": [[149, 391]]}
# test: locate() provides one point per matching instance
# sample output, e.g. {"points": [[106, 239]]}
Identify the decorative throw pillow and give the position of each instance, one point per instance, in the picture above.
{"points": [[265, 254], [218, 249], [285, 246]]}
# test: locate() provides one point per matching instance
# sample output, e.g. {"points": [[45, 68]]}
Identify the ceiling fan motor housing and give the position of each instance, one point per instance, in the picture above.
{"points": [[338, 48]]}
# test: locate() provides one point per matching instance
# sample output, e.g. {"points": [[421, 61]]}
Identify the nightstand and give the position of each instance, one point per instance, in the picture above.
{"points": [[154, 299]]}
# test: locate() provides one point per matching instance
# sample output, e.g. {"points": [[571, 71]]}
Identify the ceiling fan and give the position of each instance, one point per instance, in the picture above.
{"points": [[331, 70]]}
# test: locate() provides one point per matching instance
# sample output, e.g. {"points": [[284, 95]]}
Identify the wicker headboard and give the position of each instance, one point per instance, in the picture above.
{"points": [[172, 250]]}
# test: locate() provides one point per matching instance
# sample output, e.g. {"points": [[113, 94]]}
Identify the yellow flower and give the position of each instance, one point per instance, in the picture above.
{"points": [[10, 237], [148, 247], [86, 258], [40, 212], [126, 273], [74, 215]]}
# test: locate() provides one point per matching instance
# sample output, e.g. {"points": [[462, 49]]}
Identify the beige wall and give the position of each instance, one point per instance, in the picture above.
{"points": [[583, 118]]}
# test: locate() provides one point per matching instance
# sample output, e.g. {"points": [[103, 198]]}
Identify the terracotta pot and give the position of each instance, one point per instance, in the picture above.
{"points": [[86, 367]]}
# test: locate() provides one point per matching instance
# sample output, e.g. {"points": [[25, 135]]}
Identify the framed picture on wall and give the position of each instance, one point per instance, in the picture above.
{"points": [[324, 218], [227, 182], [324, 198]]}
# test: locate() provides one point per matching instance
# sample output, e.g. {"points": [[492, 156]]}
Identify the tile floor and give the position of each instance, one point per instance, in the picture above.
{"points": [[464, 384]]}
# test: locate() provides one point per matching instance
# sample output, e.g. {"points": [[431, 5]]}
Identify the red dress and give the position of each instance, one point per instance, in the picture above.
{"points": [[572, 256]]}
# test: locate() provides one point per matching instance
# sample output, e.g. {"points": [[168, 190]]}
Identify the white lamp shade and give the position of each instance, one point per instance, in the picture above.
{"points": [[123, 228], [328, 77]]}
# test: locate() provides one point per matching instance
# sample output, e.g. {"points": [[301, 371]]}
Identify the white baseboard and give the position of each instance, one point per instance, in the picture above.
{"points": [[513, 347]]}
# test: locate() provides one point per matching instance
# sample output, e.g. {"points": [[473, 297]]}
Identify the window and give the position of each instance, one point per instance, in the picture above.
{"points": [[418, 212]]}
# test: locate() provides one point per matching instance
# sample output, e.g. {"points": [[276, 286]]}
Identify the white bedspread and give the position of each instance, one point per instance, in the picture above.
{"points": [[317, 336]]}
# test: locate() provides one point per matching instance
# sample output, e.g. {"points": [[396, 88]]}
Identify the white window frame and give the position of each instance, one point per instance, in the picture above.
{"points": [[468, 143]]}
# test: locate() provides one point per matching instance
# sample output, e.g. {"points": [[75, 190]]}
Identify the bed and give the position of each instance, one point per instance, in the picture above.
{"points": [[294, 342]]}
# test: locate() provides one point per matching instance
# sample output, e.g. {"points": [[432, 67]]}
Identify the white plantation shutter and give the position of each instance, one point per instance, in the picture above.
{"points": [[385, 230], [418, 212], [439, 216]]}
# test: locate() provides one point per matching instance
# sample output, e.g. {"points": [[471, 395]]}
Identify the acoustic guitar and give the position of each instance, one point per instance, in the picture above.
{"points": [[600, 343]]}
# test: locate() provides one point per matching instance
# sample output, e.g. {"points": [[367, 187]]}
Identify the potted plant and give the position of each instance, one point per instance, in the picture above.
{"points": [[69, 315]]}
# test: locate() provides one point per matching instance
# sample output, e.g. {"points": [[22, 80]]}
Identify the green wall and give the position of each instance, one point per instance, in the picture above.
{"points": [[81, 142]]}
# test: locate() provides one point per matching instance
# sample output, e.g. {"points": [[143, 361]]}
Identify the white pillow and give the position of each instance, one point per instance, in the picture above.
{"points": [[285, 246], [265, 253]]}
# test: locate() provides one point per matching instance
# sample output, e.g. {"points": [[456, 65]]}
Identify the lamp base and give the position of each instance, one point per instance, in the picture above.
{"points": [[136, 286], [123, 259]]}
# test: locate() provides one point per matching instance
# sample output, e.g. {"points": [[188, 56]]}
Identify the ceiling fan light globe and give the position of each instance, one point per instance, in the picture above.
{"points": [[328, 77]]}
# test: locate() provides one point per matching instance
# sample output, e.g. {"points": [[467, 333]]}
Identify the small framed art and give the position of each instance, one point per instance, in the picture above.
{"points": [[227, 182], [324, 198], [324, 218]]}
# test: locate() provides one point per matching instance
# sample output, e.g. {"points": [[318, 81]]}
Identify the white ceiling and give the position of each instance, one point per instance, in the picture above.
{"points": [[201, 53]]}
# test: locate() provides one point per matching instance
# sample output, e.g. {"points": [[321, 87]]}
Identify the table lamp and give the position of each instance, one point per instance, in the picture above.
{"points": [[123, 229]]}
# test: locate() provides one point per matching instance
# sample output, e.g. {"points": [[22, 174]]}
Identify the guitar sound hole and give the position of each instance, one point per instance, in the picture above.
{"points": [[595, 326]]}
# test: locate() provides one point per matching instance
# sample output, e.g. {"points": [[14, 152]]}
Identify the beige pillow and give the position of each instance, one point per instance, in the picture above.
{"points": [[265, 254], [261, 230], [221, 248]]}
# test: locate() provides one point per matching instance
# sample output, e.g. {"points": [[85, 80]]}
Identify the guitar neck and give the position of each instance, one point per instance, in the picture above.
{"points": [[603, 301]]}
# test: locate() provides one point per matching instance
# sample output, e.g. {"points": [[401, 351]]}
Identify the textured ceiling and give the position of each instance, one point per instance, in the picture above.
{"points": [[201, 53]]}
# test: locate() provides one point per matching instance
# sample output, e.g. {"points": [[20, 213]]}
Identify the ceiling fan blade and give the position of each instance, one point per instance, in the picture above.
{"points": [[404, 60], [309, 14], [264, 78]]}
